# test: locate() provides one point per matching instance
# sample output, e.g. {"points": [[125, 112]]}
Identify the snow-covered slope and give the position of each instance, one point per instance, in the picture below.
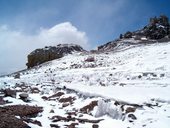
{"points": [[137, 78]]}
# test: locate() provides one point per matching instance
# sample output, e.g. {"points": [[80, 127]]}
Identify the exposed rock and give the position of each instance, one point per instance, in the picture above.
{"points": [[121, 36], [9, 92], [24, 96], [58, 94], [17, 76], [51, 111], [128, 35], [59, 118], [130, 109], [66, 119], [72, 125], [21, 110], [67, 99], [65, 104], [54, 126], [72, 113], [8, 116], [44, 98], [89, 107], [95, 126], [90, 59], [2, 100], [157, 30], [34, 90], [40, 56], [36, 122], [10, 121], [107, 46], [132, 116]]}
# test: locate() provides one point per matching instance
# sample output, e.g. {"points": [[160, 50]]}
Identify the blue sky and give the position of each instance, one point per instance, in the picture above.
{"points": [[88, 23]]}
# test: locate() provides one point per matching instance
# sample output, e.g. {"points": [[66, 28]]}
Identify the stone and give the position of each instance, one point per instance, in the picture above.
{"points": [[95, 126], [40, 56], [17, 76], [44, 98], [90, 59], [58, 94], [67, 99], [2, 101], [51, 111], [36, 122], [9, 92], [24, 96], [132, 116], [130, 109], [128, 35], [54, 126], [89, 107], [121, 36]]}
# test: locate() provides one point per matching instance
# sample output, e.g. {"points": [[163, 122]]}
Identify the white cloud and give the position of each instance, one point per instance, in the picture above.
{"points": [[15, 45], [64, 32]]}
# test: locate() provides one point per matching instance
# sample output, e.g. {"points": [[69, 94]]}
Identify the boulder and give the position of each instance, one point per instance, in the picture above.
{"points": [[40, 56], [9, 92], [24, 97], [95, 126], [17, 76]]}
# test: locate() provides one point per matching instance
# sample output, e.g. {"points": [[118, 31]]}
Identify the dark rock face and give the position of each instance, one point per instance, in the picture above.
{"points": [[157, 28], [40, 56], [107, 46], [128, 34], [10, 93]]}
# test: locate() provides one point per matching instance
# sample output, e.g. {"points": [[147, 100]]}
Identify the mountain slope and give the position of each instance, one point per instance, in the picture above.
{"points": [[126, 88]]}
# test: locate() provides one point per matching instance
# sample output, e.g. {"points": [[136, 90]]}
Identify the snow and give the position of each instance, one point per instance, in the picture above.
{"points": [[135, 75]]}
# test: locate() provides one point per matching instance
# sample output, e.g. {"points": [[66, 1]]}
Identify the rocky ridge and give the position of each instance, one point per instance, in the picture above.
{"points": [[158, 30]]}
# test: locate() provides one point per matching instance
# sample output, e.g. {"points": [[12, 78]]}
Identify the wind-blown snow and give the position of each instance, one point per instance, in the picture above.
{"points": [[139, 75]]}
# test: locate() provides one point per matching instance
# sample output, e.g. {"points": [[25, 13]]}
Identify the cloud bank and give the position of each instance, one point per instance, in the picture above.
{"points": [[16, 45]]}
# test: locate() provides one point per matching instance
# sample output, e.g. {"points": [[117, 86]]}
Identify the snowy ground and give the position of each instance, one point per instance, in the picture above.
{"points": [[138, 77]]}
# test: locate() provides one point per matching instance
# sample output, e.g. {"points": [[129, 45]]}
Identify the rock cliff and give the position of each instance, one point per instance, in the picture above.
{"points": [[40, 56]]}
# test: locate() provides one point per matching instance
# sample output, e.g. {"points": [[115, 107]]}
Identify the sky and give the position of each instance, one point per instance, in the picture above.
{"points": [[29, 24]]}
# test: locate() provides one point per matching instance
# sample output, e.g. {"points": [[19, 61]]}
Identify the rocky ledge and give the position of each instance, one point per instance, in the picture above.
{"points": [[40, 56]]}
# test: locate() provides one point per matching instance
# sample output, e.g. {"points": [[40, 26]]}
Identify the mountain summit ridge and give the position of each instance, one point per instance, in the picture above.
{"points": [[157, 30]]}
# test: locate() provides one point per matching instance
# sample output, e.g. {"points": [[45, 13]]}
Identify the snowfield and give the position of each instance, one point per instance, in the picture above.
{"points": [[136, 78]]}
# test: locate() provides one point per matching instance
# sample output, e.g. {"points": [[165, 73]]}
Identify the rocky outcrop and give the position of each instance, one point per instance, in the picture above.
{"points": [[15, 116], [158, 30], [40, 56]]}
